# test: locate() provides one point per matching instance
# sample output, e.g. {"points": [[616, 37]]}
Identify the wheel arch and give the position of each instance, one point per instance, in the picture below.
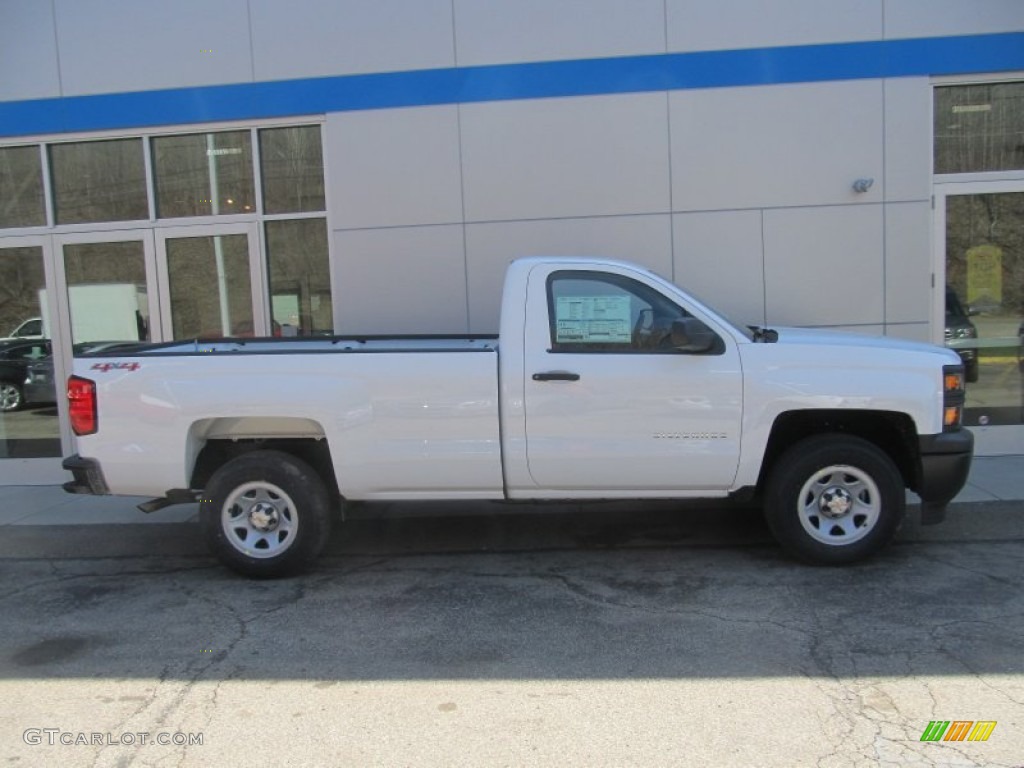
{"points": [[891, 431], [213, 443]]}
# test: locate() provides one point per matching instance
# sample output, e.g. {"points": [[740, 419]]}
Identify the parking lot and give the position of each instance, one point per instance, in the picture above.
{"points": [[599, 635]]}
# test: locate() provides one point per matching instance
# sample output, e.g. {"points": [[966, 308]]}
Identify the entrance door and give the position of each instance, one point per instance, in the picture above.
{"points": [[211, 283], [108, 279], [104, 295], [981, 303], [29, 426]]}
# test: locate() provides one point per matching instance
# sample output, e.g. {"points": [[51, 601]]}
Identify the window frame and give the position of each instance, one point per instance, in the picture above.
{"points": [[627, 284]]}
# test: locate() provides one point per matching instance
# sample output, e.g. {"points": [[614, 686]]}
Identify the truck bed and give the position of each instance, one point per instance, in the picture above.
{"points": [[410, 417]]}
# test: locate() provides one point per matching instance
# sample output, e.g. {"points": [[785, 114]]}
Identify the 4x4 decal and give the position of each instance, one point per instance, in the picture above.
{"points": [[105, 367]]}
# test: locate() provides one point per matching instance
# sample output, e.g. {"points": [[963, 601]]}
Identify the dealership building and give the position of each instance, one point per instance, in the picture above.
{"points": [[250, 167]]}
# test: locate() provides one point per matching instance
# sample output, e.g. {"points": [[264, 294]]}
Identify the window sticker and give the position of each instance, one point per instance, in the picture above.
{"points": [[592, 319]]}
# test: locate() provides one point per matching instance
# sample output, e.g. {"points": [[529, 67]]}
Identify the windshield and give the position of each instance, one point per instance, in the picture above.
{"points": [[740, 327]]}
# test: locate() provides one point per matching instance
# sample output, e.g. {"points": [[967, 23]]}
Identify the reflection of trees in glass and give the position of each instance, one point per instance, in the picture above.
{"points": [[998, 220], [21, 278], [105, 180], [195, 286], [99, 181], [182, 174], [979, 128], [21, 187], [300, 276], [123, 262], [292, 164]]}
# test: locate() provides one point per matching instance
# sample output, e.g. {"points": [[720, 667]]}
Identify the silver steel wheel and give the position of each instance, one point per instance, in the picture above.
{"points": [[10, 397], [839, 505], [259, 520]]}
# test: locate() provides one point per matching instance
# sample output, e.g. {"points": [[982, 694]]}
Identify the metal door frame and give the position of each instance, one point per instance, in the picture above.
{"points": [[257, 273], [989, 440]]}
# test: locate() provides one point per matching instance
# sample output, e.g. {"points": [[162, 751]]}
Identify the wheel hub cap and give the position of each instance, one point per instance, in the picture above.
{"points": [[264, 517], [835, 502]]}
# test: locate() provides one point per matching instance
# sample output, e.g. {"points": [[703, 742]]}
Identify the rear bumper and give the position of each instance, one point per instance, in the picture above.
{"points": [[945, 465], [88, 476]]}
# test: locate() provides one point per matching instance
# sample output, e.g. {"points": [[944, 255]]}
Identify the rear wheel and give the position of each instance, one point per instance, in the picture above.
{"points": [[266, 514], [834, 499], [10, 397]]}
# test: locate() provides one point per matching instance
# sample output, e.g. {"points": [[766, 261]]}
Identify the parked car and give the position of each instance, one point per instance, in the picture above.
{"points": [[15, 357], [962, 334], [39, 386], [26, 330], [29, 329]]}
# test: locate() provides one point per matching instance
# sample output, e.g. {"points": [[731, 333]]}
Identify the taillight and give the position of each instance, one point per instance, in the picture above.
{"points": [[82, 405]]}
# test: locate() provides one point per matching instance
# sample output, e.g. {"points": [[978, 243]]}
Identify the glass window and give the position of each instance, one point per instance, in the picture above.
{"points": [[597, 312], [21, 187], [300, 277], [985, 302], [979, 128], [28, 395], [22, 284], [210, 288], [292, 163], [203, 174], [107, 293], [99, 181]]}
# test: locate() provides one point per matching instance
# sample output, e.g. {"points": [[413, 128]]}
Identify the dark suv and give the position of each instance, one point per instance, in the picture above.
{"points": [[959, 333], [15, 356]]}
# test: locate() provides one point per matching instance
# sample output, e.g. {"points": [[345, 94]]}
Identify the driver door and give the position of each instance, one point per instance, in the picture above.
{"points": [[612, 407]]}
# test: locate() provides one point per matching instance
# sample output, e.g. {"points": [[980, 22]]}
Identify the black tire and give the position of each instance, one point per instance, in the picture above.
{"points": [[971, 372], [834, 499], [11, 398], [266, 514]]}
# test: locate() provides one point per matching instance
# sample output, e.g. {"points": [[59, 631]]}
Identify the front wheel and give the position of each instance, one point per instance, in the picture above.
{"points": [[834, 499], [971, 371], [266, 514]]}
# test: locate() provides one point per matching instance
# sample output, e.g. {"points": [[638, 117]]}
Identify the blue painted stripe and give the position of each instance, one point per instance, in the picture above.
{"points": [[630, 74]]}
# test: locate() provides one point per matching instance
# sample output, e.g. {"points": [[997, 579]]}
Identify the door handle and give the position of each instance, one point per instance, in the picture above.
{"points": [[556, 376]]}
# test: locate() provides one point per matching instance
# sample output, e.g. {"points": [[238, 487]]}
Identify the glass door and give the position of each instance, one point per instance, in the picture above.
{"points": [[29, 424], [981, 225], [211, 283], [108, 279], [104, 289]]}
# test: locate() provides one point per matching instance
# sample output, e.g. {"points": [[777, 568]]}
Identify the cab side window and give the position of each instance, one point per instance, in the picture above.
{"points": [[599, 312]]}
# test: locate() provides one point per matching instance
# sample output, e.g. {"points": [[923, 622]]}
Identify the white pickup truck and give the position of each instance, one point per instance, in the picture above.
{"points": [[606, 382]]}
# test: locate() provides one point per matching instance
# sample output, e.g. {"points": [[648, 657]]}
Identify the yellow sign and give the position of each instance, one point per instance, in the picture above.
{"points": [[985, 276]]}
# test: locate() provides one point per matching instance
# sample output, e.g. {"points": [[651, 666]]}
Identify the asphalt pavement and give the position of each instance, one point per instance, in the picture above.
{"points": [[612, 634]]}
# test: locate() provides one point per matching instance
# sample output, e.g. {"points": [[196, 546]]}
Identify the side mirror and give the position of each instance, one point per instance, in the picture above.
{"points": [[691, 335]]}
